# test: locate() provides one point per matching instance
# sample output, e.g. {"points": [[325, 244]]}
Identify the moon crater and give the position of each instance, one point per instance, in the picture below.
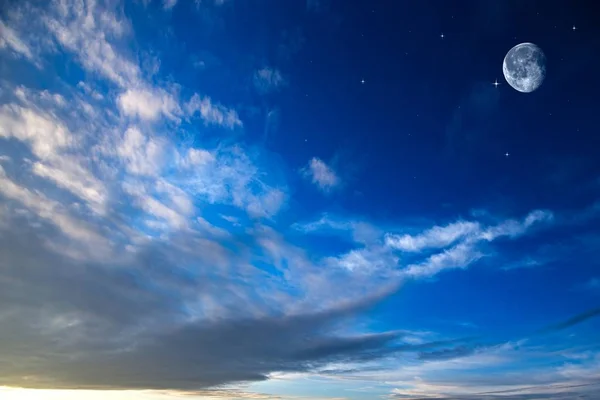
{"points": [[524, 67]]}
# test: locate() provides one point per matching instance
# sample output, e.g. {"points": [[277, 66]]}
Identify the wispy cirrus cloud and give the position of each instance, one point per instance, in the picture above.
{"points": [[86, 30], [212, 114], [169, 4], [470, 372], [321, 175], [11, 40], [459, 242], [268, 80], [148, 105], [433, 238]]}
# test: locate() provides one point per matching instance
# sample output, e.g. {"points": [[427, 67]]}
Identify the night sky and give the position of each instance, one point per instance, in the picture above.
{"points": [[300, 199]]}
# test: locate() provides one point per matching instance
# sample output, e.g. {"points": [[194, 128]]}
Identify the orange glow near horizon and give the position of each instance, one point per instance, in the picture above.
{"points": [[8, 393]]}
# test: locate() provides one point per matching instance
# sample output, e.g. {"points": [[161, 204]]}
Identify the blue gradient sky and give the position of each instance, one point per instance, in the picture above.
{"points": [[297, 200]]}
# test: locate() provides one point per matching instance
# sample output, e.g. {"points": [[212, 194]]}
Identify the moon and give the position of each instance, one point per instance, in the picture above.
{"points": [[524, 67]]}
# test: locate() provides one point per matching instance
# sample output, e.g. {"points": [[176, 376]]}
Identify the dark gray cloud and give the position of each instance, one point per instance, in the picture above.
{"points": [[574, 320], [81, 324], [75, 324]]}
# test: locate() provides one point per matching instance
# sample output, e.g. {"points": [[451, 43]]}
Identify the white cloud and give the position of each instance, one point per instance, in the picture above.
{"points": [[157, 209], [321, 175], [178, 198], [198, 157], [459, 256], [45, 134], [58, 99], [215, 2], [68, 172], [53, 144], [456, 245], [213, 114], [367, 260], [324, 222], [268, 79], [231, 219], [85, 29], [90, 91], [210, 229], [361, 232], [265, 205], [148, 105], [474, 377], [40, 99], [10, 39], [168, 4], [53, 212], [228, 175], [465, 252], [142, 155], [435, 237], [513, 228]]}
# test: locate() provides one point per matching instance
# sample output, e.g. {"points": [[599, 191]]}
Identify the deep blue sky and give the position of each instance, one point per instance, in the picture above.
{"points": [[298, 199]]}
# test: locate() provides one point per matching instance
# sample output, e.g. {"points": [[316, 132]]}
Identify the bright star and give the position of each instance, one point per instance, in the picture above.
{"points": [[362, 81], [442, 35], [496, 83], [574, 28], [507, 154]]}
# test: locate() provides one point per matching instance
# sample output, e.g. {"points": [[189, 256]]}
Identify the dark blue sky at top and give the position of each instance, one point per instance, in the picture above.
{"points": [[427, 116]]}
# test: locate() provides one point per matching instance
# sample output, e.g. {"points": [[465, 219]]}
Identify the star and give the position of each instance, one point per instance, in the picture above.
{"points": [[362, 81], [442, 35], [507, 154], [496, 83], [574, 28]]}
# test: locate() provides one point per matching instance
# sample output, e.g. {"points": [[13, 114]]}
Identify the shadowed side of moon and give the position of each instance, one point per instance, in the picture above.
{"points": [[524, 67]]}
